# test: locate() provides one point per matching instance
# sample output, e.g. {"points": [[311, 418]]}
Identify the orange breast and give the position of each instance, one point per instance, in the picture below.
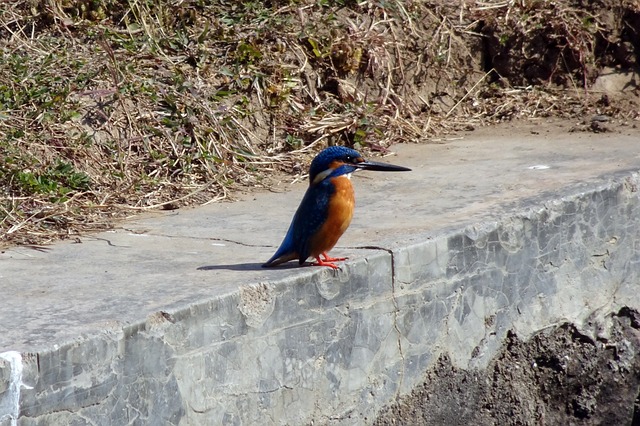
{"points": [[338, 218]]}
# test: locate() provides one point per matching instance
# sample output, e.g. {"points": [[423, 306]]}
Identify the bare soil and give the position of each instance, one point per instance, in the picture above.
{"points": [[561, 376]]}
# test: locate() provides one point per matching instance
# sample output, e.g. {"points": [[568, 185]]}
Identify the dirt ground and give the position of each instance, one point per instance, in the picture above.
{"points": [[560, 376]]}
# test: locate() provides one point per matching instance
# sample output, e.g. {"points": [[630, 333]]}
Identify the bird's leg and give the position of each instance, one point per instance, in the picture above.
{"points": [[332, 259], [327, 260], [320, 262]]}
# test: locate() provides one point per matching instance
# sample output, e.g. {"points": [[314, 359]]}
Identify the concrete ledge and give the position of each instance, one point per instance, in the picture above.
{"points": [[190, 340]]}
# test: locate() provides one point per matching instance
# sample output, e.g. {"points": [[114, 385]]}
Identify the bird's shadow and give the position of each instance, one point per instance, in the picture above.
{"points": [[246, 267]]}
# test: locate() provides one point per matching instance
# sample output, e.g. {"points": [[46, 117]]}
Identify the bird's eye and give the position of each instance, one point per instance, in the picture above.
{"points": [[348, 159]]}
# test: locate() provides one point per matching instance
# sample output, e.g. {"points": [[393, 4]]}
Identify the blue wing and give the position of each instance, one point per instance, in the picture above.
{"points": [[309, 217]]}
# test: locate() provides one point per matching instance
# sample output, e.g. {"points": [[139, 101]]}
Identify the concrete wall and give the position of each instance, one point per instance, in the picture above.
{"points": [[329, 347]]}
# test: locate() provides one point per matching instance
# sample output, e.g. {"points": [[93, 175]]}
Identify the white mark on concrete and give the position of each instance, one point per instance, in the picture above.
{"points": [[10, 403], [539, 167], [256, 304], [218, 244]]}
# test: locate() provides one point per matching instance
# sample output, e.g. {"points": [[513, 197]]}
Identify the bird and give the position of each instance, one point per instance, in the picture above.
{"points": [[327, 207]]}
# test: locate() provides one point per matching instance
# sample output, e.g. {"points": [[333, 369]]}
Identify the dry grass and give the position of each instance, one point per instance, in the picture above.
{"points": [[109, 108]]}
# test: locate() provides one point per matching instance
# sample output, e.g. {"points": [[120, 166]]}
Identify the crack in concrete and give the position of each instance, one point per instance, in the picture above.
{"points": [[190, 237], [108, 242], [240, 243], [396, 310], [261, 392]]}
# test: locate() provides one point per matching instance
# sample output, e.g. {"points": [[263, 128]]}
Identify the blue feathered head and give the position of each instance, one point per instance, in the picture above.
{"points": [[340, 160], [335, 160]]}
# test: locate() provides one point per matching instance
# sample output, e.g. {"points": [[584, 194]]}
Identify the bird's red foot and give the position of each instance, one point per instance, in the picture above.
{"points": [[332, 259], [327, 261], [320, 262]]}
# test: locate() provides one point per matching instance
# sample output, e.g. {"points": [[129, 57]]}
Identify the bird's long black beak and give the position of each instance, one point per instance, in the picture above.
{"points": [[381, 167]]}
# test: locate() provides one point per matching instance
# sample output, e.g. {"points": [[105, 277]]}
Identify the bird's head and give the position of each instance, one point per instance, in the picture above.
{"points": [[340, 160]]}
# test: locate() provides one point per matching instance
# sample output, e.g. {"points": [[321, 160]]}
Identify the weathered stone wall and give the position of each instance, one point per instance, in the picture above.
{"points": [[335, 347]]}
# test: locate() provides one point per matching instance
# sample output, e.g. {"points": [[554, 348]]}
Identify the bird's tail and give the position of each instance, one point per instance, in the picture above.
{"points": [[279, 258], [286, 252]]}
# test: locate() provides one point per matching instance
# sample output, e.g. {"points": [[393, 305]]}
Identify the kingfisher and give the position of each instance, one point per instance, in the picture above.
{"points": [[326, 208]]}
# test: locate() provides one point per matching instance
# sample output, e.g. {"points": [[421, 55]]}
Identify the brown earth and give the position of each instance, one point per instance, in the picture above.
{"points": [[560, 376]]}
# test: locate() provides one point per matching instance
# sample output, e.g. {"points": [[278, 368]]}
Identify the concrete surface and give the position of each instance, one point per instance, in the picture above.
{"points": [[169, 319]]}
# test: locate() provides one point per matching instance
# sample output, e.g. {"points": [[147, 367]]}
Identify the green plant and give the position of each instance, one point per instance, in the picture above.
{"points": [[57, 181]]}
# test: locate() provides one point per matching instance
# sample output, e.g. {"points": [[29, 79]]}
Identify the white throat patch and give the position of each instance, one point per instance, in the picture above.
{"points": [[322, 176]]}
